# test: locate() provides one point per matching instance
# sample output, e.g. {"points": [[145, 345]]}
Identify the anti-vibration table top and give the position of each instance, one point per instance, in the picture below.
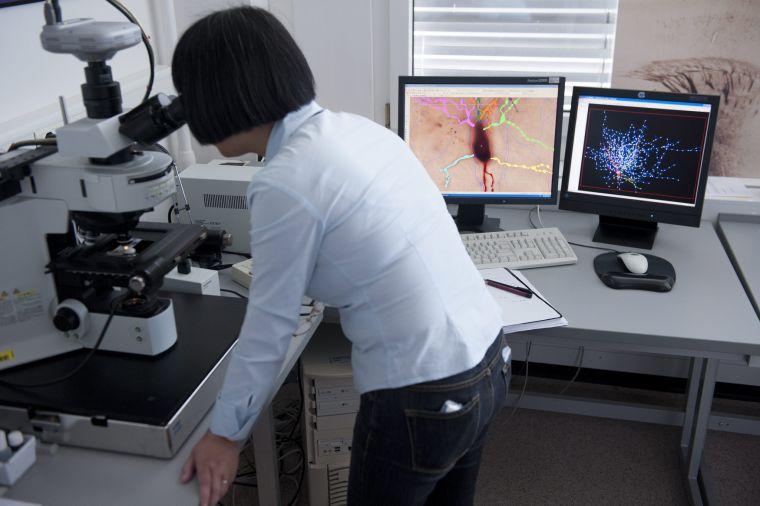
{"points": [[133, 388]]}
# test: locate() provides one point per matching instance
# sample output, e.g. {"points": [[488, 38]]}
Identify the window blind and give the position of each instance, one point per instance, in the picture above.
{"points": [[571, 38]]}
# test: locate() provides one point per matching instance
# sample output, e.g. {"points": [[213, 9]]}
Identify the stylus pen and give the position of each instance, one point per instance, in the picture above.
{"points": [[517, 290]]}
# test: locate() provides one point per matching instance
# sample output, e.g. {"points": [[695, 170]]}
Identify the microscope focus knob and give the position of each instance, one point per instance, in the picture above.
{"points": [[66, 319], [137, 284], [71, 316]]}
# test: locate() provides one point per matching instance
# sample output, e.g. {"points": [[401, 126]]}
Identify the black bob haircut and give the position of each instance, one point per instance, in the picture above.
{"points": [[237, 69]]}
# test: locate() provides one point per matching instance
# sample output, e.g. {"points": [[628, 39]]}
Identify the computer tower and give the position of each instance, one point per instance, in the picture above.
{"points": [[330, 407]]}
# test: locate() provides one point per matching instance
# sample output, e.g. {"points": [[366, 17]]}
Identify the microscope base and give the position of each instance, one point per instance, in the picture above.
{"points": [[130, 403], [135, 334]]}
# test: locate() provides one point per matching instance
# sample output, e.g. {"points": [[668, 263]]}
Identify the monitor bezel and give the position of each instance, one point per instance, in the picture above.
{"points": [[654, 212], [495, 80]]}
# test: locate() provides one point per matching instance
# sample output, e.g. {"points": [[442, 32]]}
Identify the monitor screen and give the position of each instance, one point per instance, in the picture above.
{"points": [[488, 140], [643, 150]]}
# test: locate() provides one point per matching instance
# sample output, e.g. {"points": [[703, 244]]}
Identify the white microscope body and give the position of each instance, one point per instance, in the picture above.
{"points": [[73, 252]]}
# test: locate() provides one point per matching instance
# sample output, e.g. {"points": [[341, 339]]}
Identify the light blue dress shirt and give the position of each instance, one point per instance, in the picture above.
{"points": [[344, 212]]}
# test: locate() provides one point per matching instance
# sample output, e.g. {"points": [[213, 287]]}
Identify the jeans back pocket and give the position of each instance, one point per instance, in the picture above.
{"points": [[438, 439]]}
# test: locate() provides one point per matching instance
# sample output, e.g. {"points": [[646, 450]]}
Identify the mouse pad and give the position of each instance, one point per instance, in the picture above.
{"points": [[660, 275]]}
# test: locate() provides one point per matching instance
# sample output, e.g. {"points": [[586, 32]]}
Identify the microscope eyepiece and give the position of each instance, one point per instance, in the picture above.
{"points": [[154, 119]]}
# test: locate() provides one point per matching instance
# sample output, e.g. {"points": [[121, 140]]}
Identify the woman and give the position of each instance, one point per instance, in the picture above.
{"points": [[343, 212]]}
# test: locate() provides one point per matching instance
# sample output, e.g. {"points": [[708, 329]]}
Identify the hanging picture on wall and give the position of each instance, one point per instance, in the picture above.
{"points": [[699, 46]]}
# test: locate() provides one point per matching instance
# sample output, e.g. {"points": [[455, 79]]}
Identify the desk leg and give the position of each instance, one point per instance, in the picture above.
{"points": [[692, 393], [265, 452], [700, 489]]}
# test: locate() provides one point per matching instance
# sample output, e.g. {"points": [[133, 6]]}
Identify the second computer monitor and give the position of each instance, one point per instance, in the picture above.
{"points": [[637, 158], [485, 140]]}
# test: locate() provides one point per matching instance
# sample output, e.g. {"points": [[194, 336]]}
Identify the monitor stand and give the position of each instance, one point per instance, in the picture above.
{"points": [[626, 232], [472, 218]]}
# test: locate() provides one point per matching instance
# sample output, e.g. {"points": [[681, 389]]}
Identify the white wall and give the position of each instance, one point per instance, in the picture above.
{"points": [[345, 44]]}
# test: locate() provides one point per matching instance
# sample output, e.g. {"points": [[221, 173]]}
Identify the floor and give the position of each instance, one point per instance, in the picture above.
{"points": [[543, 458]]}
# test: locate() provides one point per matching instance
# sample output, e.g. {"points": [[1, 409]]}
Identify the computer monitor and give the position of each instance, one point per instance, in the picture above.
{"points": [[485, 140], [637, 158]]}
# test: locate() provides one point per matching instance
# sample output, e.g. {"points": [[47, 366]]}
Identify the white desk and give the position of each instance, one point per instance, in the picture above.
{"points": [[707, 316], [89, 477]]}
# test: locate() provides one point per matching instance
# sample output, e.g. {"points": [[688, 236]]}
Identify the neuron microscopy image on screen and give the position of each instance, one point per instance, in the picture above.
{"points": [[643, 152]]}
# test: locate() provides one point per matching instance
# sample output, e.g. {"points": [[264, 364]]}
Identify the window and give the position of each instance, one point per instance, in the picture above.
{"points": [[571, 38]]}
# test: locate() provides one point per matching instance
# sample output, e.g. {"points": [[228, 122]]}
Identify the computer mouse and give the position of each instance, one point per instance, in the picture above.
{"points": [[634, 262]]}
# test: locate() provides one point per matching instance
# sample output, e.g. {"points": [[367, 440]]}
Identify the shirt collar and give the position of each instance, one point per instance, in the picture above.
{"points": [[285, 127]]}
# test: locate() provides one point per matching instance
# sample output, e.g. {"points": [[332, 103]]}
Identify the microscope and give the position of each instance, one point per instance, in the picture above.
{"points": [[78, 268], [92, 352]]}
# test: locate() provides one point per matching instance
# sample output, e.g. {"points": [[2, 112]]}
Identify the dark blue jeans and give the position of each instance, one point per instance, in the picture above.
{"points": [[406, 451]]}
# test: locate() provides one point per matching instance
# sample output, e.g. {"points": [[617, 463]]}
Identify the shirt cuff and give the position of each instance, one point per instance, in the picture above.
{"points": [[227, 422]]}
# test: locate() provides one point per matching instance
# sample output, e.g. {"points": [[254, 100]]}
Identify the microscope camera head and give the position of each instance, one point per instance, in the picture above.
{"points": [[89, 40]]}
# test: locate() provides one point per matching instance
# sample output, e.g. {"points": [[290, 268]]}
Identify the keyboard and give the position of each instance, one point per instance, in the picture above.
{"points": [[519, 249]]}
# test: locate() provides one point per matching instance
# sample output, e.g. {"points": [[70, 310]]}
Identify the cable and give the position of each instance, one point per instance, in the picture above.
{"points": [[177, 183], [57, 11], [300, 477], [33, 142], [528, 348], [581, 351], [538, 212], [533, 225], [300, 398], [287, 446], [244, 255], [594, 247], [151, 58], [244, 484], [234, 292], [169, 215], [220, 267], [114, 306], [530, 217]]}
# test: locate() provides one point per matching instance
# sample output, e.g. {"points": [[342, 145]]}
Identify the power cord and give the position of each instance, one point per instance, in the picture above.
{"points": [[581, 351], [57, 11], [233, 292], [530, 218], [114, 306], [300, 476], [300, 399], [533, 225], [34, 142], [538, 213], [525, 369]]}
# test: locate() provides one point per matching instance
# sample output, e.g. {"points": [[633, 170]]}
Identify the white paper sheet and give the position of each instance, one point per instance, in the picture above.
{"points": [[521, 313]]}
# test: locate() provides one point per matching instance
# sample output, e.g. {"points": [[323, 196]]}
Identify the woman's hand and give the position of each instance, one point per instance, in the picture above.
{"points": [[215, 461]]}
